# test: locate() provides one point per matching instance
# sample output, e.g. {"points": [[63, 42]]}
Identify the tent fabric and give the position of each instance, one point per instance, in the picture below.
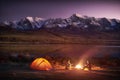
{"points": [[41, 64]]}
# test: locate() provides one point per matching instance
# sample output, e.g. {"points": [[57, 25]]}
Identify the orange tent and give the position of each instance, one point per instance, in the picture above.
{"points": [[41, 64]]}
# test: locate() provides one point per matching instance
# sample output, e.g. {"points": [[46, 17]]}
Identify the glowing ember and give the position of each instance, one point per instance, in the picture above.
{"points": [[78, 66], [86, 69]]}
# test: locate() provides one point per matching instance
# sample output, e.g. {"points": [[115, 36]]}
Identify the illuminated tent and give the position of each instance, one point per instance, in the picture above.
{"points": [[41, 64]]}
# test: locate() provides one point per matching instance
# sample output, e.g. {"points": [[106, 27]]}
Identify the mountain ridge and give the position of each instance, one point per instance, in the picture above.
{"points": [[82, 23]]}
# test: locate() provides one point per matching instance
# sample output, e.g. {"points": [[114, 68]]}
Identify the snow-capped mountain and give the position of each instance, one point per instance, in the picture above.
{"points": [[75, 21]]}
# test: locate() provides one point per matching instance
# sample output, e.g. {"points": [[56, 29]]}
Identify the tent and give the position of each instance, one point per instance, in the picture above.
{"points": [[41, 64]]}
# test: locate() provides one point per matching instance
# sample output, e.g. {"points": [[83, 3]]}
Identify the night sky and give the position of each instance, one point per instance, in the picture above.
{"points": [[17, 9]]}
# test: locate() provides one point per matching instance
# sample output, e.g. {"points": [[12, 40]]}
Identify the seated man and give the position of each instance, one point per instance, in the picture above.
{"points": [[68, 65], [87, 65]]}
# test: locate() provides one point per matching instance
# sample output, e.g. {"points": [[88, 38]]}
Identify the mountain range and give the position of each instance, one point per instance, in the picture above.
{"points": [[74, 29], [76, 21]]}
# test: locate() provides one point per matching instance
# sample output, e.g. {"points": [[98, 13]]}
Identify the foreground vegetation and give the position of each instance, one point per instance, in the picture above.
{"points": [[59, 37]]}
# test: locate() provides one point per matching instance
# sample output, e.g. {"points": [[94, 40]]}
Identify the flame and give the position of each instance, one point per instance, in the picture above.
{"points": [[78, 66]]}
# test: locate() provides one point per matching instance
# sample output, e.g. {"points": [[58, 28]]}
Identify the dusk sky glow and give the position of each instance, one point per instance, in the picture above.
{"points": [[17, 9]]}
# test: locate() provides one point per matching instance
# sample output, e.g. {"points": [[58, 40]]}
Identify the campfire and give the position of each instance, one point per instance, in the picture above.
{"points": [[81, 67], [78, 66]]}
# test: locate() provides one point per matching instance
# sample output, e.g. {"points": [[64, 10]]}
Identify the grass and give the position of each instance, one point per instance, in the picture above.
{"points": [[43, 48], [45, 37]]}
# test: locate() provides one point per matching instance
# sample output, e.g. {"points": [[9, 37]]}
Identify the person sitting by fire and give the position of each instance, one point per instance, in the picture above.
{"points": [[87, 65], [68, 65]]}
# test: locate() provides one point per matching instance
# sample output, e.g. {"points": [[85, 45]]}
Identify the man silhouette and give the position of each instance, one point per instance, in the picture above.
{"points": [[87, 65]]}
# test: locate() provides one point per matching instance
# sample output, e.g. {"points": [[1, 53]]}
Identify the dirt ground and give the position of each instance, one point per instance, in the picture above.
{"points": [[59, 75]]}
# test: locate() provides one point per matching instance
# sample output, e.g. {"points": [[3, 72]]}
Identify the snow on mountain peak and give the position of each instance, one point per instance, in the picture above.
{"points": [[77, 20], [38, 19], [30, 19], [6, 23], [77, 15]]}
